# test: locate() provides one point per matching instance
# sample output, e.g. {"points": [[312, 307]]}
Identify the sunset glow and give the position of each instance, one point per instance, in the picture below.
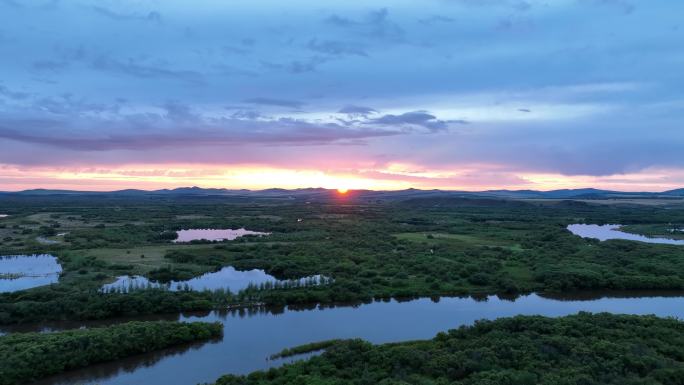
{"points": [[458, 95]]}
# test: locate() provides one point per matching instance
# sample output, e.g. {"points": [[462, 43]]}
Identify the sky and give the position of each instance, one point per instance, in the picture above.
{"points": [[449, 94]]}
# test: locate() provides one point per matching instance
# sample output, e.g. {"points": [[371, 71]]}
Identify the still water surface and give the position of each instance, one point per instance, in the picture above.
{"points": [[213, 234], [227, 278], [19, 272], [605, 232], [250, 337]]}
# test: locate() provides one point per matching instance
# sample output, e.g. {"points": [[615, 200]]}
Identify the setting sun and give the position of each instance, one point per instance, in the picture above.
{"points": [[342, 190]]}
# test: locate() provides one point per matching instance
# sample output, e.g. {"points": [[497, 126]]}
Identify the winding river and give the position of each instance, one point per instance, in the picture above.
{"points": [[251, 336]]}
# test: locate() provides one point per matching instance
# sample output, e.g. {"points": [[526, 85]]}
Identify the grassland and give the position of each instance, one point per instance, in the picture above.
{"points": [[422, 247]]}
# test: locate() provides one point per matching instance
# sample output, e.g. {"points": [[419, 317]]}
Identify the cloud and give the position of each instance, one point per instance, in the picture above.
{"points": [[233, 50], [356, 110], [434, 19], [12, 3], [68, 105], [624, 6], [297, 66], [339, 48], [376, 25], [141, 70], [180, 113], [246, 114], [15, 95], [518, 5], [275, 102], [218, 132], [557, 100], [152, 16], [49, 65], [415, 118]]}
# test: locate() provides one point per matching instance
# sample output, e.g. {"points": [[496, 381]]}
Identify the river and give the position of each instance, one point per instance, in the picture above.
{"points": [[251, 336]]}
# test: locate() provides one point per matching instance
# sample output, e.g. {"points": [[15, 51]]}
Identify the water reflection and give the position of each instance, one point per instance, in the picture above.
{"points": [[128, 365], [250, 336], [213, 234], [19, 272], [605, 232], [228, 278]]}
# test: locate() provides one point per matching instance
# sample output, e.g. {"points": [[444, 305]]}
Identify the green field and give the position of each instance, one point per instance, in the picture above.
{"points": [[371, 250]]}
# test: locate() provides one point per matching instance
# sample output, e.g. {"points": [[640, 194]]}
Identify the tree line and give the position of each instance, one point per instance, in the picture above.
{"points": [[26, 357]]}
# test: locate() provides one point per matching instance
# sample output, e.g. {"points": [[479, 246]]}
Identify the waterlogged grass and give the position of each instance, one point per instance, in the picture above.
{"points": [[303, 349]]}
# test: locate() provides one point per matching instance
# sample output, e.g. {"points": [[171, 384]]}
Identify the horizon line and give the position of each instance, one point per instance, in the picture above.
{"points": [[333, 189]]}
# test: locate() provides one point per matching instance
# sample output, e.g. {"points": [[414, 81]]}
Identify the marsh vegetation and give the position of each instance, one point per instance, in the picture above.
{"points": [[366, 250]]}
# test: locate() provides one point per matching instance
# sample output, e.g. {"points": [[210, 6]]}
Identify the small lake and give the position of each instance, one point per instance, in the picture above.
{"points": [[250, 336], [19, 272], [227, 278], [605, 232], [213, 234]]}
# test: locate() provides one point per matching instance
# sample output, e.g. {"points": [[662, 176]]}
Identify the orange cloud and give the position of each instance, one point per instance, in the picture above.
{"points": [[393, 176]]}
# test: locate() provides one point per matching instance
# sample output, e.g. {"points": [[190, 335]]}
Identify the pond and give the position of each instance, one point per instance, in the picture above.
{"points": [[605, 232], [251, 336], [213, 234], [228, 278], [19, 272]]}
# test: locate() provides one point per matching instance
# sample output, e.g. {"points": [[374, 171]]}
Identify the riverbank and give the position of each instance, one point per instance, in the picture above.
{"points": [[29, 356], [251, 336], [583, 348]]}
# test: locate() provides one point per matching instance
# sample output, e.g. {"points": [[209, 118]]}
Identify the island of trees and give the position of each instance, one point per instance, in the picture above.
{"points": [[26, 357], [587, 349]]}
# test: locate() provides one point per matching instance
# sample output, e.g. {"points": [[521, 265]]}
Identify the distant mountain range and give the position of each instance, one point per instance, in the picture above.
{"points": [[320, 193]]}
